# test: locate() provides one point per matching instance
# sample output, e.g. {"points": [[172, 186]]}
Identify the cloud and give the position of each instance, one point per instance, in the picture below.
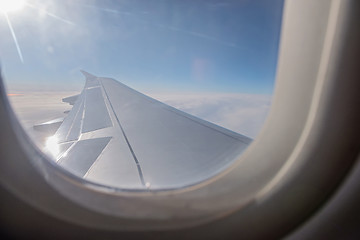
{"points": [[37, 107], [242, 113]]}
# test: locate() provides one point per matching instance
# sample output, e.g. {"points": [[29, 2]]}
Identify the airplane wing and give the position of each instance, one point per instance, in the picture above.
{"points": [[122, 138]]}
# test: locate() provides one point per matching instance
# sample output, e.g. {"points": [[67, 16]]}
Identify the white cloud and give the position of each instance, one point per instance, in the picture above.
{"points": [[37, 107]]}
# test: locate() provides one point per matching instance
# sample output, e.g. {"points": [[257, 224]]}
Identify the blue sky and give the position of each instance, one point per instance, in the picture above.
{"points": [[152, 45]]}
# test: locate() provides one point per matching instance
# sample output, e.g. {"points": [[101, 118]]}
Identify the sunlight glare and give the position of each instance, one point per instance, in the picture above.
{"points": [[11, 5], [52, 146]]}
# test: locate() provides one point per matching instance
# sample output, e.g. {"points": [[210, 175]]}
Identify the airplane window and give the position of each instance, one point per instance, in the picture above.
{"points": [[212, 63]]}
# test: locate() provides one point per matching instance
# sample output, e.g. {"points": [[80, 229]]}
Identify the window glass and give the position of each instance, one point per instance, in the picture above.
{"points": [[213, 59]]}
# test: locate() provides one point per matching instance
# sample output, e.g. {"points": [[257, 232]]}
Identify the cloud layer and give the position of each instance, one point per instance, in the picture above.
{"points": [[37, 107]]}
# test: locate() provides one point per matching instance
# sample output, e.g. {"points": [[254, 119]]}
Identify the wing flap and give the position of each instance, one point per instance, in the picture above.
{"points": [[62, 134], [96, 113], [116, 165], [83, 154], [71, 100]]}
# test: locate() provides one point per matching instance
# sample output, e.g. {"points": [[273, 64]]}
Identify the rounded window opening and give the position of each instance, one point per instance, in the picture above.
{"points": [[141, 95]]}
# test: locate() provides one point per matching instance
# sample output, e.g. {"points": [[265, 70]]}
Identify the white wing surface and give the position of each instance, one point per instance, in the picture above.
{"points": [[119, 137]]}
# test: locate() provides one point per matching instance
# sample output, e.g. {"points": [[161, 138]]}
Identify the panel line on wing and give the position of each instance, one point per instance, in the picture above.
{"points": [[126, 139], [96, 161], [74, 134], [96, 114], [83, 115]]}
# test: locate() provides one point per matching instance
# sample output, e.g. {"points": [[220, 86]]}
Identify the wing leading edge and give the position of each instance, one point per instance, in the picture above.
{"points": [[119, 137]]}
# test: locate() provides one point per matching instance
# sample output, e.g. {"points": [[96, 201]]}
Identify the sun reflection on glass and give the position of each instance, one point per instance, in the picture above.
{"points": [[52, 146]]}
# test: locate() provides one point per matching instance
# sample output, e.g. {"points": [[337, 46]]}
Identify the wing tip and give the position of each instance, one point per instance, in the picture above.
{"points": [[87, 75]]}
